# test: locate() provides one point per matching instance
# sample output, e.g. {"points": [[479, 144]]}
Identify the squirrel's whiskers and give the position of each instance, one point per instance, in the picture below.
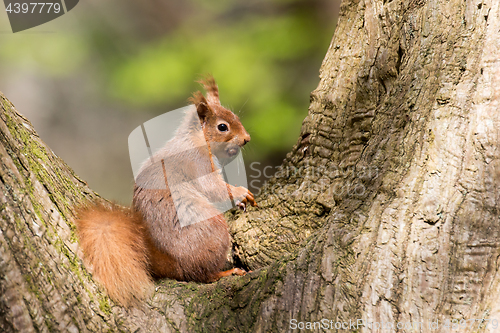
{"points": [[157, 236]]}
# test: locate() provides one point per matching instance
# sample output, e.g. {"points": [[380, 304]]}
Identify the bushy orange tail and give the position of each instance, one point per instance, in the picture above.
{"points": [[113, 242]]}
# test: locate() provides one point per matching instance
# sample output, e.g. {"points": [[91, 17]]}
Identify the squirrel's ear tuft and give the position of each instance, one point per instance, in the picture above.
{"points": [[202, 107], [208, 82]]}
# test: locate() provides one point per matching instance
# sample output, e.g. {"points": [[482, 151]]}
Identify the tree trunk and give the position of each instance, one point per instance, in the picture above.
{"points": [[385, 215]]}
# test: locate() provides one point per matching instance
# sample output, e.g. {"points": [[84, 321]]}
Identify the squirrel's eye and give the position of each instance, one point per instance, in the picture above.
{"points": [[222, 127]]}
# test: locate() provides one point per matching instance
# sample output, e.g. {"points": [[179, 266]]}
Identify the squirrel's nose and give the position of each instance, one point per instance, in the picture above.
{"points": [[246, 139]]}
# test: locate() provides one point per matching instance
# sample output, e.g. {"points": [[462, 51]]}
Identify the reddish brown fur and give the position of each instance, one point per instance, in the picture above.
{"points": [[114, 247], [208, 82], [198, 98], [211, 113], [125, 248]]}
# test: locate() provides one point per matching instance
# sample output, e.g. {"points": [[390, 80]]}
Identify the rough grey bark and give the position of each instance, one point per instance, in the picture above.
{"points": [[43, 286], [392, 214], [403, 137]]}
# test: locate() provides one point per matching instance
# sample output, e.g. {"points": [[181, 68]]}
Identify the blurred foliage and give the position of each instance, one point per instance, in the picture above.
{"points": [[47, 56], [265, 61], [265, 56]]}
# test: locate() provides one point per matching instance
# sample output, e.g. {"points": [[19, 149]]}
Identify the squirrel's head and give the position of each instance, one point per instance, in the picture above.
{"points": [[221, 127]]}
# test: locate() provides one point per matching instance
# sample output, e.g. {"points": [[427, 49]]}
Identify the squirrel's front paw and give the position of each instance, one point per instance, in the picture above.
{"points": [[242, 197], [241, 205]]}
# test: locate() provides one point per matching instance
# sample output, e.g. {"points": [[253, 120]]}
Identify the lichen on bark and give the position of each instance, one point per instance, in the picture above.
{"points": [[385, 210]]}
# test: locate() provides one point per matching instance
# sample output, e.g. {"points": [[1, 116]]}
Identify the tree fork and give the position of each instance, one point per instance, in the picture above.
{"points": [[390, 217]]}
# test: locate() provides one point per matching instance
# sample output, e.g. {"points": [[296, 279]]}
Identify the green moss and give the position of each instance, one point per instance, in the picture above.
{"points": [[104, 305], [74, 263], [73, 237], [32, 286], [20, 225], [37, 207], [50, 321], [231, 303], [32, 158]]}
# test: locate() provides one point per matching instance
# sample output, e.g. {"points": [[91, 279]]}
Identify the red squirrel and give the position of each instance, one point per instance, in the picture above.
{"points": [[126, 249]]}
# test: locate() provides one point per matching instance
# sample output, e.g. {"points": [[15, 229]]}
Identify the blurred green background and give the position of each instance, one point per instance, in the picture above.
{"points": [[88, 78]]}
